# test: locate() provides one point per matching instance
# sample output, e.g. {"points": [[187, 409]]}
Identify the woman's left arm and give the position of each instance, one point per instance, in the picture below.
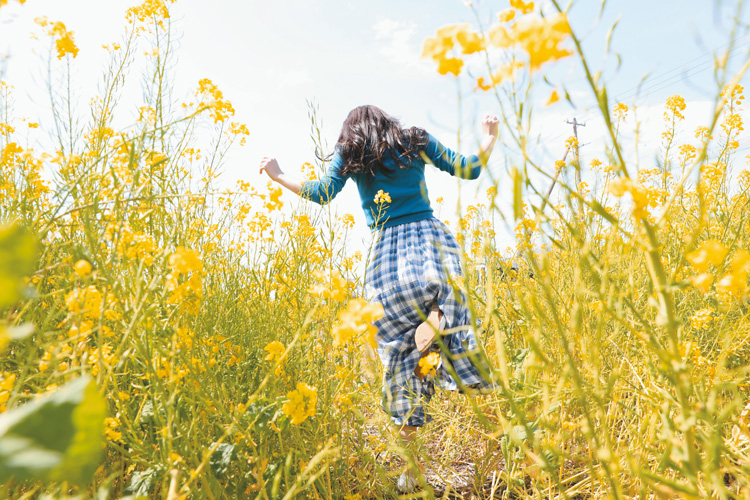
{"points": [[320, 191]]}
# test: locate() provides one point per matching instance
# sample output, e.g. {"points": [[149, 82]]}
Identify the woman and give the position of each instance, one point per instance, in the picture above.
{"points": [[414, 257]]}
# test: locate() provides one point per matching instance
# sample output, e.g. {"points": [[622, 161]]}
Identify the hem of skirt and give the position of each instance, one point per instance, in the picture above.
{"points": [[403, 219], [401, 421]]}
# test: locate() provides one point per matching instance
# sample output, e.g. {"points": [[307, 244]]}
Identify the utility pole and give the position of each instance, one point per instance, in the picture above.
{"points": [[576, 124], [577, 160]]}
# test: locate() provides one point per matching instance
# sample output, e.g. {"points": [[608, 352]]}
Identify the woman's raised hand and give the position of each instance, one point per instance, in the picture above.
{"points": [[271, 167], [490, 124]]}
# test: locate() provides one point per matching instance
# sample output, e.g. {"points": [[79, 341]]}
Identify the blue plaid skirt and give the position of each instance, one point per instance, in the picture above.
{"points": [[413, 265]]}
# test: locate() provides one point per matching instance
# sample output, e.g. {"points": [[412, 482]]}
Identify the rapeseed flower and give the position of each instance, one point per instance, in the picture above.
{"points": [[275, 350], [185, 260], [382, 198], [82, 268], [301, 404], [710, 252], [64, 42], [523, 7], [356, 321]]}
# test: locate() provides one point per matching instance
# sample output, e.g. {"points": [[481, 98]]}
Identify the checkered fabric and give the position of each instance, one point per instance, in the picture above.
{"points": [[411, 268]]}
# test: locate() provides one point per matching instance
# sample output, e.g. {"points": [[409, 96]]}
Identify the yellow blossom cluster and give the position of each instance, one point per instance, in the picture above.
{"points": [[734, 94], [148, 10], [275, 350], [382, 198], [111, 426], [674, 107], [449, 43], [331, 286], [427, 365], [86, 301], [707, 260], [134, 245], [82, 268], [355, 322], [212, 99], [239, 129], [308, 171], [5, 2], [64, 42], [273, 201], [701, 319], [642, 196], [621, 111], [539, 38], [182, 262], [101, 358], [521, 6], [6, 386], [301, 403]]}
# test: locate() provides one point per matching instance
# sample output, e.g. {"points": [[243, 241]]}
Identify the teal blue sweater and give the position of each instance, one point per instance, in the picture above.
{"points": [[405, 185]]}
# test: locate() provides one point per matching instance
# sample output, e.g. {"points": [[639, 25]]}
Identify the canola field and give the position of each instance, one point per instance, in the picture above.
{"points": [[162, 338]]}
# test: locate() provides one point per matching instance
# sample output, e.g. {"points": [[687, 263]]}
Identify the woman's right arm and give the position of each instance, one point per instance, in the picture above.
{"points": [[465, 167]]}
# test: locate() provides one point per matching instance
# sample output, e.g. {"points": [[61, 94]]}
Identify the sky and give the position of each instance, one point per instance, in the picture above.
{"points": [[271, 58]]}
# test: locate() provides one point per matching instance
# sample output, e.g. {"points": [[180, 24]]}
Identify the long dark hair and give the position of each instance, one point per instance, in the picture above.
{"points": [[369, 136]]}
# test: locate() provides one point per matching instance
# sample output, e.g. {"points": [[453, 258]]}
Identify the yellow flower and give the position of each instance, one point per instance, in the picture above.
{"points": [[87, 301], [701, 319], [111, 425], [524, 7], [213, 99], [334, 287], [539, 37], [450, 65], [553, 98], [702, 281], [275, 350], [64, 42], [469, 41], [428, 364], [184, 260], [82, 268], [735, 282], [710, 252], [348, 220], [356, 321], [382, 197], [674, 105], [274, 202], [620, 111], [147, 10], [506, 15], [301, 404]]}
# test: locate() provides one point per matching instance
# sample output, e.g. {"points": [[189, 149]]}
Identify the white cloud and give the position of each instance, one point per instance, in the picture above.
{"points": [[399, 47], [294, 78]]}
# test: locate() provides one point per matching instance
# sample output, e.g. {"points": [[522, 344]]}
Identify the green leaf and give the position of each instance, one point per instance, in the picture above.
{"points": [[598, 208], [56, 437], [83, 455], [141, 484], [18, 249], [517, 180], [221, 458]]}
